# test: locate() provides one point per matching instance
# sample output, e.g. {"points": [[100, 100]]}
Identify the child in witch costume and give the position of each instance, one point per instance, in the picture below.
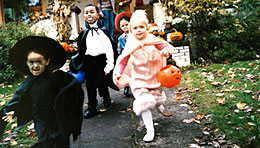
{"points": [[138, 66], [95, 56], [53, 99], [122, 25]]}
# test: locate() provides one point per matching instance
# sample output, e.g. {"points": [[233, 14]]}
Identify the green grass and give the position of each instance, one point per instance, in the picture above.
{"points": [[13, 138], [234, 83]]}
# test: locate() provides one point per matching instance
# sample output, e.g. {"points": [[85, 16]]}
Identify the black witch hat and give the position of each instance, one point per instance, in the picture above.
{"points": [[19, 52]]}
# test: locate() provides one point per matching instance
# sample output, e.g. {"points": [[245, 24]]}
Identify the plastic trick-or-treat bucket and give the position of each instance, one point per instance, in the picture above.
{"points": [[169, 76], [80, 76]]}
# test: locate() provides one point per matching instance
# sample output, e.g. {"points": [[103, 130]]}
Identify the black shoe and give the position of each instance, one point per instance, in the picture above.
{"points": [[126, 91], [107, 102], [90, 112]]}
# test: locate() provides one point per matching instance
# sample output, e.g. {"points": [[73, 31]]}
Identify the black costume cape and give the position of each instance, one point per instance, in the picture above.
{"points": [[68, 105], [77, 60]]}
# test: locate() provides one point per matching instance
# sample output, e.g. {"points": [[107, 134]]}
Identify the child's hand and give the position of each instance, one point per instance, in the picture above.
{"points": [[73, 47], [117, 77], [9, 117], [102, 15], [165, 53]]}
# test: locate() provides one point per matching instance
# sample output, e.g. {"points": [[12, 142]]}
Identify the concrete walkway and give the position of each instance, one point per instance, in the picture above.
{"points": [[119, 127]]}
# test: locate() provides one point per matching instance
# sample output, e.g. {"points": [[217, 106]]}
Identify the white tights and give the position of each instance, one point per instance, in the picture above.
{"points": [[148, 122]]}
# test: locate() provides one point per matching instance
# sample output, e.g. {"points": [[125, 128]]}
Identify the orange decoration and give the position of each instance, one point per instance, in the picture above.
{"points": [[154, 33], [174, 36], [153, 24], [160, 37], [161, 33], [65, 46], [169, 76]]}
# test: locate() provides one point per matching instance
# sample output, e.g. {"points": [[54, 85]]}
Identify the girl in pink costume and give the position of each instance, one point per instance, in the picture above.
{"points": [[138, 66]]}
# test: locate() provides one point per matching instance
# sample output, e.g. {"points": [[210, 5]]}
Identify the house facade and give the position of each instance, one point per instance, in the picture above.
{"points": [[7, 14]]}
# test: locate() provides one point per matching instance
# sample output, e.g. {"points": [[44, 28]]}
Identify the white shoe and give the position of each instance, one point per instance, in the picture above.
{"points": [[160, 109], [149, 136]]}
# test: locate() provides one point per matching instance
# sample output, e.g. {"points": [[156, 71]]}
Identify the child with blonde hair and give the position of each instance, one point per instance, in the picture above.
{"points": [[138, 66]]}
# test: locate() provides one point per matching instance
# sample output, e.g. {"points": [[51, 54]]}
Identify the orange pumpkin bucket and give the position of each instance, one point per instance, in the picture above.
{"points": [[169, 76]]}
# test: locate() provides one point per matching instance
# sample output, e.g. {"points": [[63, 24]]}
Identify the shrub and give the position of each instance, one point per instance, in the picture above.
{"points": [[9, 35], [237, 38]]}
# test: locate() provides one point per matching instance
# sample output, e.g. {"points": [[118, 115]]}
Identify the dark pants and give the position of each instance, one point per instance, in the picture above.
{"points": [[96, 78]]}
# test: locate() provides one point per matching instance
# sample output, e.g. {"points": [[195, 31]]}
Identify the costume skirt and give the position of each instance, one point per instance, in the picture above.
{"points": [[147, 98]]}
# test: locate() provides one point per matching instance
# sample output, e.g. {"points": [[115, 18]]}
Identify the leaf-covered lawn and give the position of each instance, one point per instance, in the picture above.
{"points": [[13, 138], [228, 95]]}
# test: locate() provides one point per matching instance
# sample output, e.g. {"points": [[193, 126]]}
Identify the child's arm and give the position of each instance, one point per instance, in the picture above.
{"points": [[125, 2], [99, 7], [120, 69], [164, 49]]}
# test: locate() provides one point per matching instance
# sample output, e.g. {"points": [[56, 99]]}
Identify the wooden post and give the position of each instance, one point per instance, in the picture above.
{"points": [[132, 9], [44, 6], [95, 2], [2, 16]]}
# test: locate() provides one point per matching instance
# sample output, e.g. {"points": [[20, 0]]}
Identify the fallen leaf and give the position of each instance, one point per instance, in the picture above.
{"points": [[236, 111], [184, 105], [197, 121], [221, 101], [129, 109], [13, 125], [251, 124], [205, 132], [188, 120], [13, 142], [247, 91], [8, 131], [237, 81], [220, 71], [2, 103], [241, 105], [156, 124], [220, 94], [179, 96], [216, 83], [194, 146], [174, 101], [31, 126], [102, 109], [196, 139], [168, 114], [199, 116], [7, 139], [215, 144]]}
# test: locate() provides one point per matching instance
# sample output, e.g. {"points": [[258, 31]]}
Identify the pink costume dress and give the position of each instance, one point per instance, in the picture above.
{"points": [[139, 65]]}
